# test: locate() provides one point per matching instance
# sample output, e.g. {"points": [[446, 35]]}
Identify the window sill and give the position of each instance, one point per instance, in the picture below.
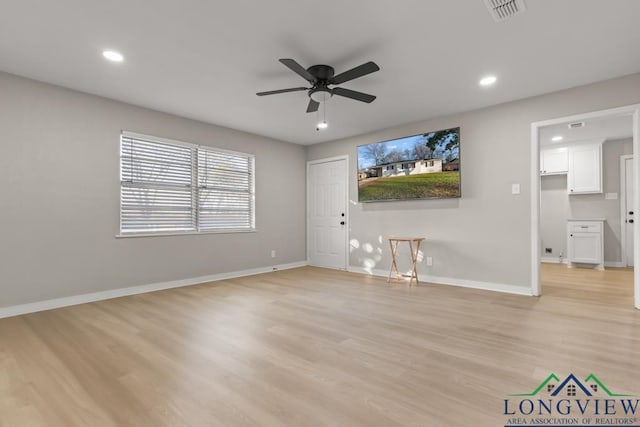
{"points": [[184, 233]]}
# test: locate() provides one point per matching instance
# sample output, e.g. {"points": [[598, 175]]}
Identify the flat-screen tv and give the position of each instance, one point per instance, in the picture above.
{"points": [[424, 166]]}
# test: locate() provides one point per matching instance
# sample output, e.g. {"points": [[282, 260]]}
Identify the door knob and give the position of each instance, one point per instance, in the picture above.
{"points": [[343, 214], [341, 222], [630, 212], [630, 221]]}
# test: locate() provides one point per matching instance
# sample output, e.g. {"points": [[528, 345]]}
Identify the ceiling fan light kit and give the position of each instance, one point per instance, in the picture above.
{"points": [[320, 94], [321, 77]]}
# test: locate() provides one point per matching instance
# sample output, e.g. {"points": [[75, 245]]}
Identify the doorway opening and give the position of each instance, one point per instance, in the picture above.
{"points": [[584, 198]]}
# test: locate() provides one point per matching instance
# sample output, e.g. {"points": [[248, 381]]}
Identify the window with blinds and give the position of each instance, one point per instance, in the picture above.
{"points": [[174, 187]]}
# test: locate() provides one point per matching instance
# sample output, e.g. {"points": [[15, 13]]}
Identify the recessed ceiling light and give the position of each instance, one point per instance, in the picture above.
{"points": [[488, 80], [556, 138], [112, 55]]}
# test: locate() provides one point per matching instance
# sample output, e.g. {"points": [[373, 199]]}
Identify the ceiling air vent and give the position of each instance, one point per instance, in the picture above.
{"points": [[501, 10], [576, 125]]}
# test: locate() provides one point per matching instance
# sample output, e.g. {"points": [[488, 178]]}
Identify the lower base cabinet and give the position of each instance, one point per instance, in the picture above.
{"points": [[585, 242]]}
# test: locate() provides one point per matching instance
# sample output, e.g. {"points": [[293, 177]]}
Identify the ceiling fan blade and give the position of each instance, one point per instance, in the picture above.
{"points": [[298, 69], [313, 106], [273, 92], [354, 73], [360, 96]]}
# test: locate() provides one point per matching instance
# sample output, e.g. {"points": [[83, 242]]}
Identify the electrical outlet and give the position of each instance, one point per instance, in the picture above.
{"points": [[548, 250], [429, 261], [273, 253]]}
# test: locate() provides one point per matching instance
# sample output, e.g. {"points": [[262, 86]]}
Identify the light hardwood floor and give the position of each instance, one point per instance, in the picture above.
{"points": [[314, 347]]}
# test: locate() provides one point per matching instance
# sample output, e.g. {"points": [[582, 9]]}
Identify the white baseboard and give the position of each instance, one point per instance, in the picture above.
{"points": [[474, 284], [553, 260], [17, 310], [556, 260]]}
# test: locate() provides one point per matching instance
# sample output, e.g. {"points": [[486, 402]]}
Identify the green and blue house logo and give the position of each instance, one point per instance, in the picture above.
{"points": [[572, 402]]}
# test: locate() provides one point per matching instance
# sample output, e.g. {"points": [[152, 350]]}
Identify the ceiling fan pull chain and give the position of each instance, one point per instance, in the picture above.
{"points": [[324, 111]]}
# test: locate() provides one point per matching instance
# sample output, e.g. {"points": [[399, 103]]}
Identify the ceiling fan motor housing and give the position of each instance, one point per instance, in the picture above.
{"points": [[321, 72]]}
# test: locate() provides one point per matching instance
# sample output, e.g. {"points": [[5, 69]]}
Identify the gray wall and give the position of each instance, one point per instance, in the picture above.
{"points": [[554, 211], [484, 236], [59, 170], [556, 205]]}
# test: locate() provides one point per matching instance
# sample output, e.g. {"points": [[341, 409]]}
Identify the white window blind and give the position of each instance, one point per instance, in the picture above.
{"points": [[174, 187], [225, 190]]}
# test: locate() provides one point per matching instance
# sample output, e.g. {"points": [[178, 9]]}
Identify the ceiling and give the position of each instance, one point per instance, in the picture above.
{"points": [[604, 128], [206, 59]]}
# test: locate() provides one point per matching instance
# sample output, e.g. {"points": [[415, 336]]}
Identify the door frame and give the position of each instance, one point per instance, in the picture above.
{"points": [[346, 205], [623, 216], [634, 111]]}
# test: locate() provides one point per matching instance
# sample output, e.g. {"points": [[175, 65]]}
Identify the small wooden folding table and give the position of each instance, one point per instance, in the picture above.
{"points": [[393, 244]]}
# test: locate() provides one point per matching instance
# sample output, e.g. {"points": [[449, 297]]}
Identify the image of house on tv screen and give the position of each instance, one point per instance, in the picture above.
{"points": [[424, 166]]}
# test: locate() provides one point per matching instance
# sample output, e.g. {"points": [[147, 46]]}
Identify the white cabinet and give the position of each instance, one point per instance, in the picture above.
{"points": [[554, 161], [585, 243], [585, 169]]}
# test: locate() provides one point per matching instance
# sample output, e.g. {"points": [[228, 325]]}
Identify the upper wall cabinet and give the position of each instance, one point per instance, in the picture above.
{"points": [[585, 169], [554, 161]]}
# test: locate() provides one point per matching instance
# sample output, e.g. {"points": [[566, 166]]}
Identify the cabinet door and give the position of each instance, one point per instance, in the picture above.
{"points": [[585, 169], [585, 248], [554, 161]]}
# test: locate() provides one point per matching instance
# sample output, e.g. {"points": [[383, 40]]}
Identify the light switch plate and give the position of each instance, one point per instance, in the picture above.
{"points": [[515, 188]]}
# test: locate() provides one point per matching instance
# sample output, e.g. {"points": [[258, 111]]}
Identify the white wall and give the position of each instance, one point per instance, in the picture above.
{"points": [[59, 198], [483, 236]]}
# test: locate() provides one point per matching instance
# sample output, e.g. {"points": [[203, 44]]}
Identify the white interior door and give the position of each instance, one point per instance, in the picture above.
{"points": [[628, 211], [327, 213]]}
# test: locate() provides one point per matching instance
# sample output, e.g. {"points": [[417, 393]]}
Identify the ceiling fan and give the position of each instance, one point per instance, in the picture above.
{"points": [[321, 77]]}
